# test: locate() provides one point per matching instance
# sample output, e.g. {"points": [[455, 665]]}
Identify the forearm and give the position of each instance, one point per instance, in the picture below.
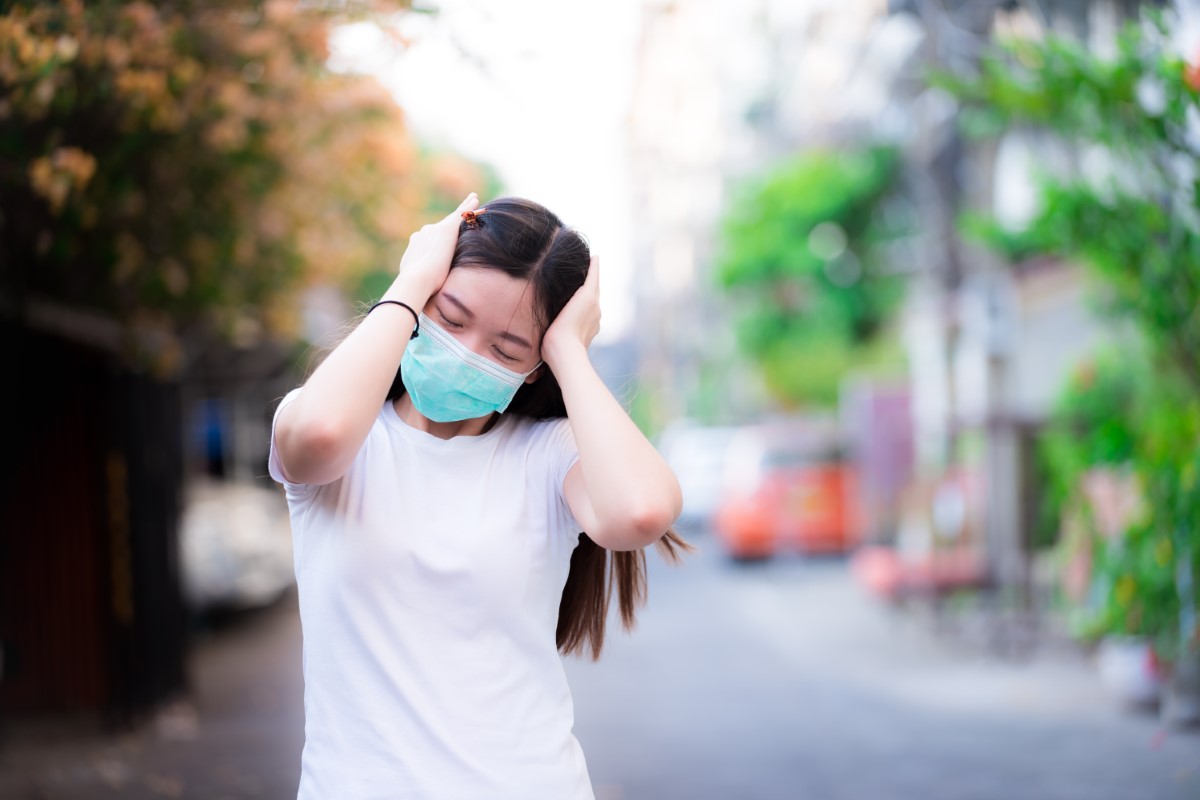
{"points": [[633, 492], [329, 420]]}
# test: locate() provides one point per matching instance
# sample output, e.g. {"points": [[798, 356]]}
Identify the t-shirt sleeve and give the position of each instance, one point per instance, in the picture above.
{"points": [[563, 454], [274, 465]]}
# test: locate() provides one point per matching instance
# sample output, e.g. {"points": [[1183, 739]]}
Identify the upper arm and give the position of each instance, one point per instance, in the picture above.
{"points": [[578, 500], [623, 534], [618, 523], [279, 453], [301, 455]]}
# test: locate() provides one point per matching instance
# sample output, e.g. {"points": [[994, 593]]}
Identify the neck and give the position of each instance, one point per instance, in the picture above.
{"points": [[442, 430]]}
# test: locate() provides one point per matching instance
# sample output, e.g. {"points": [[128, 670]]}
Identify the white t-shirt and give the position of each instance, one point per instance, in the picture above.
{"points": [[429, 578]]}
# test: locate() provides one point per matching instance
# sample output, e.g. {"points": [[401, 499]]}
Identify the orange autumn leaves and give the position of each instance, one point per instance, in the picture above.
{"points": [[198, 162]]}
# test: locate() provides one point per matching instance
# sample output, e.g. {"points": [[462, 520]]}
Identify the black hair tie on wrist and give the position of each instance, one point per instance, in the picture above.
{"points": [[416, 319]]}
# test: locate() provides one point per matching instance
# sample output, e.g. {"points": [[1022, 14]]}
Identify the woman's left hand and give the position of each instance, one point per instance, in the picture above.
{"points": [[579, 321]]}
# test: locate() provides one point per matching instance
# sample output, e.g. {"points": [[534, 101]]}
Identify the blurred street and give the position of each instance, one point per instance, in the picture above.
{"points": [[779, 679], [785, 680], [239, 734]]}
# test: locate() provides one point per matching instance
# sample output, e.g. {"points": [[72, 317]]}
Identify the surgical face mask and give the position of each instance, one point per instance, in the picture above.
{"points": [[448, 382]]}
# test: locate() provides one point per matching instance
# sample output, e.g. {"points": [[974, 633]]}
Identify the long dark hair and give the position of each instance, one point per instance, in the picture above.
{"points": [[527, 241]]}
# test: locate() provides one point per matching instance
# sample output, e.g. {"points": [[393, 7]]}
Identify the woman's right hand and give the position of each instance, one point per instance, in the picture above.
{"points": [[426, 261]]}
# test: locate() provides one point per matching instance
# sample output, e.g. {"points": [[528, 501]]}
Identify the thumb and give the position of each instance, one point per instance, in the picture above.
{"points": [[593, 273], [469, 204]]}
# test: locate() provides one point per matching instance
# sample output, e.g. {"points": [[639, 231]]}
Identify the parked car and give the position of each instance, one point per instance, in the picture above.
{"points": [[235, 545], [787, 488], [697, 454]]}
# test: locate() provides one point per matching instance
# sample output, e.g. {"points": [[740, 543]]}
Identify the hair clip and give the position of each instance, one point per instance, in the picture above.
{"points": [[472, 217]]}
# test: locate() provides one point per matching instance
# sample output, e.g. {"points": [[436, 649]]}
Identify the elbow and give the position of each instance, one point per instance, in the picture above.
{"points": [[638, 521], [653, 517], [652, 521], [314, 440], [642, 526], [312, 452]]}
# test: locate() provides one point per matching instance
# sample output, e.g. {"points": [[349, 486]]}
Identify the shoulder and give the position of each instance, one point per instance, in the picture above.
{"points": [[291, 395]]}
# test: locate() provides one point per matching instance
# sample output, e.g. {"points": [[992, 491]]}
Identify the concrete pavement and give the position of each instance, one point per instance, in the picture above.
{"points": [[760, 681], [237, 736], [783, 680]]}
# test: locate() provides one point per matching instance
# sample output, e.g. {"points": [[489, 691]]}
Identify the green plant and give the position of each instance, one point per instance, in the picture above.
{"points": [[1119, 414], [1135, 222], [803, 254], [1093, 424], [1139, 574]]}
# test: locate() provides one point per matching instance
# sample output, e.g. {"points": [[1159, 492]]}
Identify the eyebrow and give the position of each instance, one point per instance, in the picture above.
{"points": [[458, 304], [512, 337], [469, 314]]}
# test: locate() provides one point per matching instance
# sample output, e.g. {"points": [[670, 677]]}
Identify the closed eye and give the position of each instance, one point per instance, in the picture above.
{"points": [[448, 322], [503, 354]]}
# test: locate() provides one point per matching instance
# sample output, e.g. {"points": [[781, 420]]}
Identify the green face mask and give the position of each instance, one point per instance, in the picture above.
{"points": [[449, 382]]}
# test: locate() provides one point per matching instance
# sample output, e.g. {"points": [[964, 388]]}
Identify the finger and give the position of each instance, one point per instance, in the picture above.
{"points": [[593, 274], [469, 204]]}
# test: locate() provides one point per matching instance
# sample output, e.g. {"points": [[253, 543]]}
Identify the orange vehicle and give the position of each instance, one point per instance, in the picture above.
{"points": [[787, 491]]}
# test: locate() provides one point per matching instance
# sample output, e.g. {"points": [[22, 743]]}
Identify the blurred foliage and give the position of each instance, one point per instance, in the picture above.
{"points": [[810, 369], [191, 166], [1139, 572], [1131, 211], [1120, 414], [1092, 425], [646, 408], [804, 256], [448, 178]]}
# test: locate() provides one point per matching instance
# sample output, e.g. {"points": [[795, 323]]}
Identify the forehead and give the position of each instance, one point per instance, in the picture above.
{"points": [[497, 299]]}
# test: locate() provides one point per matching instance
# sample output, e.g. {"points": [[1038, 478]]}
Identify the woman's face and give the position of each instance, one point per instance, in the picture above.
{"points": [[491, 313]]}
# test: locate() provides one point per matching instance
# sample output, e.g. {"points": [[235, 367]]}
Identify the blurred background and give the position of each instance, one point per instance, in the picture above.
{"points": [[905, 291]]}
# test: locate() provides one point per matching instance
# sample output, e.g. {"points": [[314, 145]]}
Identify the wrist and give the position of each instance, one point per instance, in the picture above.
{"points": [[408, 291], [557, 352]]}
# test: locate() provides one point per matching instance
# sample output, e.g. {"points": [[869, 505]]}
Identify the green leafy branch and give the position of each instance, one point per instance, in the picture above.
{"points": [[805, 255]]}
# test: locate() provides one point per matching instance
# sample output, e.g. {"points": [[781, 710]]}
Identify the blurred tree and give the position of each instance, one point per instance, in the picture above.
{"points": [[1131, 212], [186, 167], [448, 178], [1094, 423], [803, 254]]}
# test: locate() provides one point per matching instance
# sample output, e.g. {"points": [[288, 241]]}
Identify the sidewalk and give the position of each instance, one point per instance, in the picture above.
{"points": [[783, 679], [239, 734]]}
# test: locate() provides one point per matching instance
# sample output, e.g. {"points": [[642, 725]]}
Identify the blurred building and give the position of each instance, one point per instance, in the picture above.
{"points": [[990, 346], [685, 127], [91, 618], [102, 457], [723, 90]]}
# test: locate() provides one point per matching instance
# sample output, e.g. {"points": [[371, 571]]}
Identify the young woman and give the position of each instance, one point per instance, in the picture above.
{"points": [[441, 465]]}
